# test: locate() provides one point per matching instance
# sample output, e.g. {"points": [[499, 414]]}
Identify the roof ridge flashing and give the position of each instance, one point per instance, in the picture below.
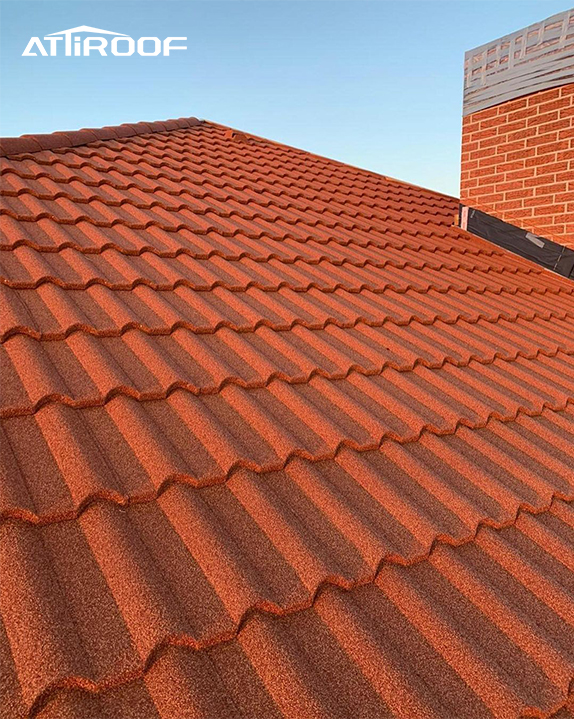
{"points": [[74, 138]]}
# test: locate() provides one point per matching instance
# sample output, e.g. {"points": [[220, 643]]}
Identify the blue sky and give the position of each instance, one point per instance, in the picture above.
{"points": [[376, 84]]}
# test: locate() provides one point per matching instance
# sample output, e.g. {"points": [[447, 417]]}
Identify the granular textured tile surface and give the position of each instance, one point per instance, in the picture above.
{"points": [[278, 441]]}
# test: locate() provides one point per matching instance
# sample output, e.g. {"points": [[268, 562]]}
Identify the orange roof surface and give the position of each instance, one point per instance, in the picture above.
{"points": [[277, 441]]}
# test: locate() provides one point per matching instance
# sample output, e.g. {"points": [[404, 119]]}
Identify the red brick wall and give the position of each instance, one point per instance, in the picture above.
{"points": [[518, 162]]}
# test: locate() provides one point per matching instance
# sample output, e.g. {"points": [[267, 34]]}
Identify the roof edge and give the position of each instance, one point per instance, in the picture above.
{"points": [[75, 138]]}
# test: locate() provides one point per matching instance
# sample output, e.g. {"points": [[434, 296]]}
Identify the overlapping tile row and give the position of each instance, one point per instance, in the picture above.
{"points": [[46, 235], [25, 268], [228, 215], [200, 169], [343, 265], [50, 312], [21, 194], [210, 159], [129, 449], [491, 617], [267, 416], [83, 370]]}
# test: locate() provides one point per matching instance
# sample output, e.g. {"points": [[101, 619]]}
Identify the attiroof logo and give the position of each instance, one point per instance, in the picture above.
{"points": [[120, 45]]}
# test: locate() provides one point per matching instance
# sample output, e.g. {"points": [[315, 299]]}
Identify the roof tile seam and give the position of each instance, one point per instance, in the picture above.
{"points": [[278, 376], [75, 138], [257, 156], [528, 714], [389, 213], [383, 243], [242, 172], [253, 160], [433, 207], [287, 327], [239, 178], [348, 226], [519, 268], [424, 322], [211, 230], [532, 712], [248, 255], [27, 517], [278, 150], [286, 191], [330, 584], [85, 200], [335, 287]]}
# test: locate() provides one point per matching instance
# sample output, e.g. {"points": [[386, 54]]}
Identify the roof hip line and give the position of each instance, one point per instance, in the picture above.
{"points": [[75, 138]]}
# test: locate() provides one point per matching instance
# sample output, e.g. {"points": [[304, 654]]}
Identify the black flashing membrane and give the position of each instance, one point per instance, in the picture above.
{"points": [[547, 253]]}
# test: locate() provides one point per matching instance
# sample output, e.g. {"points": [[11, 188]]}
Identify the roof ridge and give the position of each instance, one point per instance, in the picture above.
{"points": [[74, 138]]}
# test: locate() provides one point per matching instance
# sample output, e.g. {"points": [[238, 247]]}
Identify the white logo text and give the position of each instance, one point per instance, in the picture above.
{"points": [[120, 45]]}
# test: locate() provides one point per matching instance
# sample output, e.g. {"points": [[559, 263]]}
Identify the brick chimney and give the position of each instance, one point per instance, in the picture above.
{"points": [[518, 129]]}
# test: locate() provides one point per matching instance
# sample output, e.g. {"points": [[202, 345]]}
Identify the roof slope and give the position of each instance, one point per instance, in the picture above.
{"points": [[277, 441]]}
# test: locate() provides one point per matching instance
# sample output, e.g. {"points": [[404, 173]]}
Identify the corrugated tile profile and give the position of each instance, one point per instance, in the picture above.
{"points": [[278, 441]]}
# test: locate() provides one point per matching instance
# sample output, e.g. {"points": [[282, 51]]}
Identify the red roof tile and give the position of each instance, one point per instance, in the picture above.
{"points": [[278, 440]]}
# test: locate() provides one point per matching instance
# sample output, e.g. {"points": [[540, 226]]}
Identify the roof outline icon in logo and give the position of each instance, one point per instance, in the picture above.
{"points": [[87, 28]]}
